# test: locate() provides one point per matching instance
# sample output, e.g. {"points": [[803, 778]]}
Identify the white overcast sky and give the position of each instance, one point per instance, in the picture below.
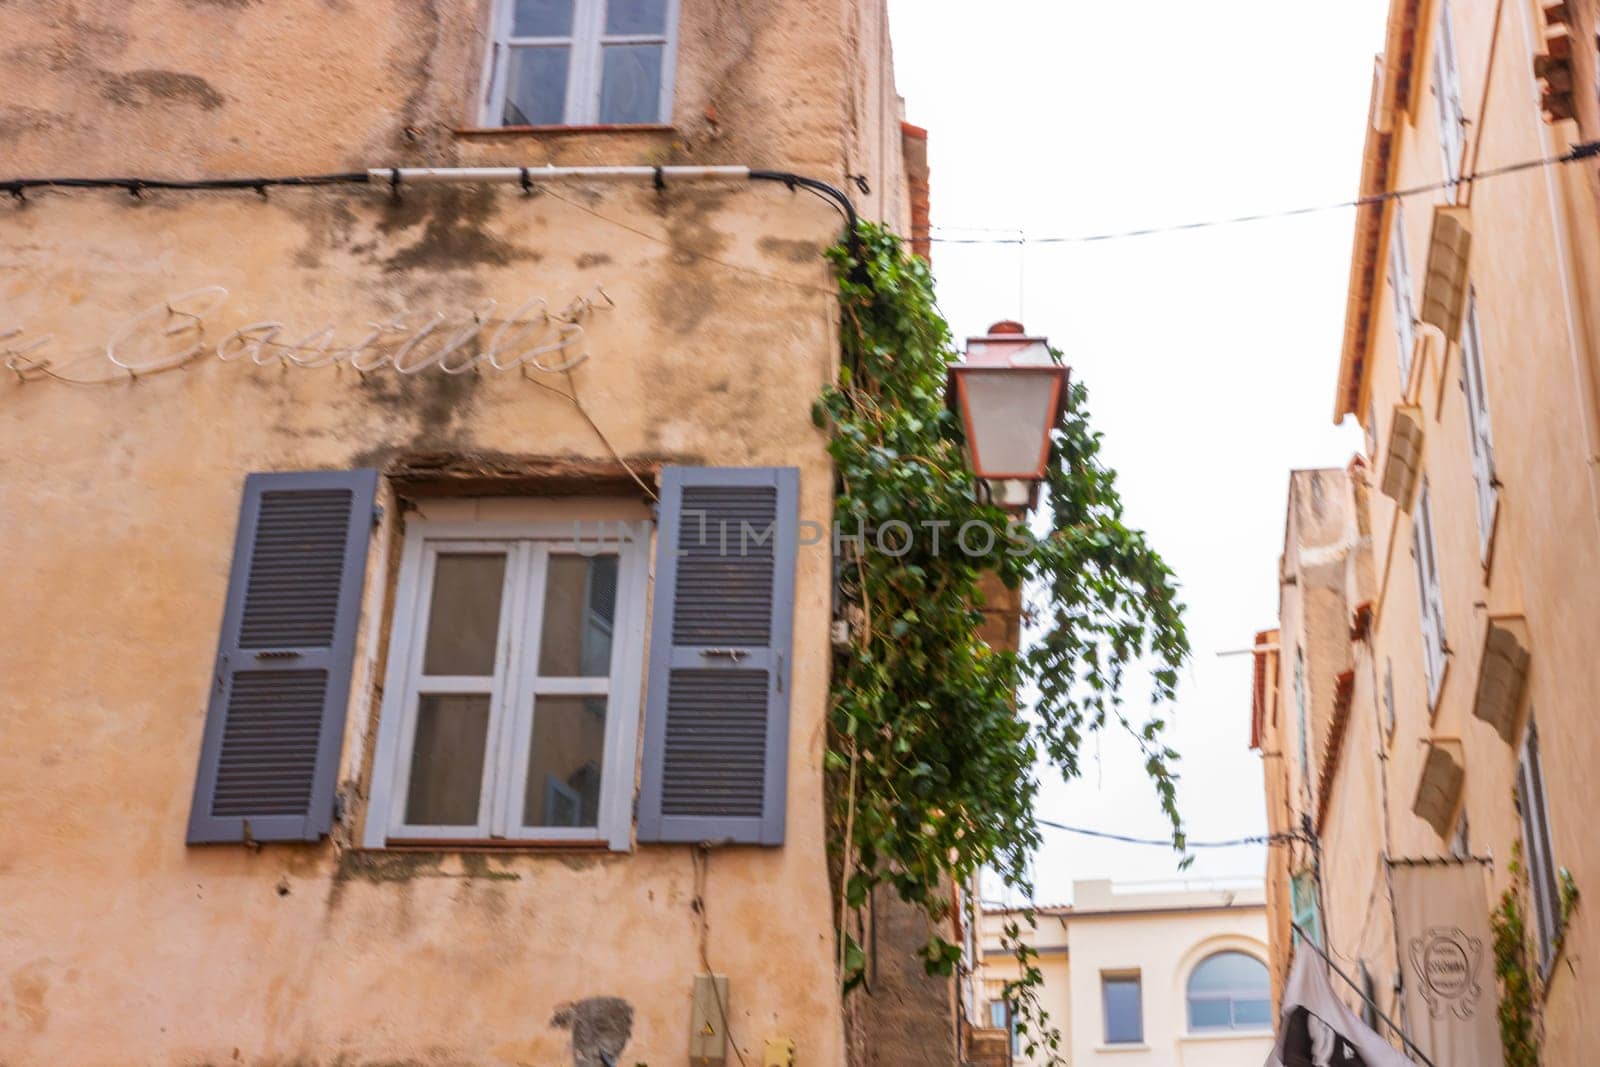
{"points": [[1209, 356]]}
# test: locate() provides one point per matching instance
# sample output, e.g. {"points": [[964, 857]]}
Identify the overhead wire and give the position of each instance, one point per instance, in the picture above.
{"points": [[1236, 842], [1585, 150]]}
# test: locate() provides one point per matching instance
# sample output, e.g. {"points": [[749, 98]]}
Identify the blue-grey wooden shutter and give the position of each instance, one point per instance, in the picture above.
{"points": [[275, 723], [716, 745]]}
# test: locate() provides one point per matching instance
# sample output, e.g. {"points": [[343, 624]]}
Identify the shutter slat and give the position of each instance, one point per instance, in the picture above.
{"points": [[716, 735], [273, 728]]}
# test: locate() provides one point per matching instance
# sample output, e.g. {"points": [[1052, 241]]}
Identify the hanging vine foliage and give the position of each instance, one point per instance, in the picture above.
{"points": [[932, 764]]}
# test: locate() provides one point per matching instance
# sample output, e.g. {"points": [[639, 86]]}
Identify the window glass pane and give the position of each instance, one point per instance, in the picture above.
{"points": [[569, 741], [580, 609], [447, 759], [1123, 1022], [464, 618], [1210, 1014], [630, 87], [536, 87], [997, 1014], [541, 18], [1252, 1014], [636, 16], [1229, 972]]}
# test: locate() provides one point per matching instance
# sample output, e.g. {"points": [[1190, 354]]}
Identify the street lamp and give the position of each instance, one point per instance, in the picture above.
{"points": [[1010, 394]]}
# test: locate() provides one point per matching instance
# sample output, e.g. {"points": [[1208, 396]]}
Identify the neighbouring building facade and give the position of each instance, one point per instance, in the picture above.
{"points": [[1425, 698], [372, 681], [1169, 975]]}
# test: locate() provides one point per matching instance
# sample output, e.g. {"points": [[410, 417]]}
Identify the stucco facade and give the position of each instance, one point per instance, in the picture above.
{"points": [[1435, 594], [712, 328], [1152, 936]]}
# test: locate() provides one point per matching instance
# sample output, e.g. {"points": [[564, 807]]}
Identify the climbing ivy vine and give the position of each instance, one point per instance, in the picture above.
{"points": [[1514, 970], [932, 764]]}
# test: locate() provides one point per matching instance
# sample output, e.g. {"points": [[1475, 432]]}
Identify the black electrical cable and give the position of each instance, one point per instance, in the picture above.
{"points": [[838, 197], [16, 186]]}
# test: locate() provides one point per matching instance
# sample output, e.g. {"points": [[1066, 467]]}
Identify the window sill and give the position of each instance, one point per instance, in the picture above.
{"points": [[525, 131], [1123, 1046], [1203, 1036], [497, 845]]}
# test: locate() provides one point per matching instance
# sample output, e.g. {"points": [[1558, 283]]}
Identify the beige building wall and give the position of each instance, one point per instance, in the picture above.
{"points": [[118, 504], [1161, 933], [1534, 267]]}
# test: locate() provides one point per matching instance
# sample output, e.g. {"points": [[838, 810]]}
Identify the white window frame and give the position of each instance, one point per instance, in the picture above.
{"points": [[1543, 880], [1231, 997], [1400, 293], [516, 681], [585, 62], [1430, 599], [1475, 386], [1448, 100]]}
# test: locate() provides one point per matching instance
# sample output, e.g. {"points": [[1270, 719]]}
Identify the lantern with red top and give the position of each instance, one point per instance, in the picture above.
{"points": [[1010, 393]]}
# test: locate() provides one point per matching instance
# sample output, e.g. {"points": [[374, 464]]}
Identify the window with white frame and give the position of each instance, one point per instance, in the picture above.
{"points": [[1405, 308], [1452, 110], [1430, 601], [581, 62], [1124, 1008], [1230, 991], [511, 703], [1476, 390], [1542, 876]]}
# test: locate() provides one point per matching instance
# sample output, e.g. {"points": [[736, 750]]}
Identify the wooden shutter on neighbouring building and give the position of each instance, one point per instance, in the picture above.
{"points": [[275, 722], [717, 708]]}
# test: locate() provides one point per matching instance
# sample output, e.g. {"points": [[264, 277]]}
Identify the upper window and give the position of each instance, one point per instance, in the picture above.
{"points": [[1388, 697], [1124, 1004], [1542, 878], [1304, 725], [1405, 309], [1452, 111], [1001, 1017], [1303, 906], [1430, 600], [1230, 991], [1472, 383], [581, 62], [516, 658]]}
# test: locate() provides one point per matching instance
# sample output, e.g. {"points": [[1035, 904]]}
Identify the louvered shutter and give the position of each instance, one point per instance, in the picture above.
{"points": [[717, 708], [270, 756]]}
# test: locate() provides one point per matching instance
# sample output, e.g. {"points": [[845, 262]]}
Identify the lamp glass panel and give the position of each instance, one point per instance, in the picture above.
{"points": [[1008, 421]]}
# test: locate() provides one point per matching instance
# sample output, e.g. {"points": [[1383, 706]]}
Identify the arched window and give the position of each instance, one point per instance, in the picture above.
{"points": [[1230, 991]]}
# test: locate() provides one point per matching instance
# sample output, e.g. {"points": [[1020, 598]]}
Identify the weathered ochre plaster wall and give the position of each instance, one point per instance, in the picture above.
{"points": [[1535, 265], [177, 87], [117, 505]]}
